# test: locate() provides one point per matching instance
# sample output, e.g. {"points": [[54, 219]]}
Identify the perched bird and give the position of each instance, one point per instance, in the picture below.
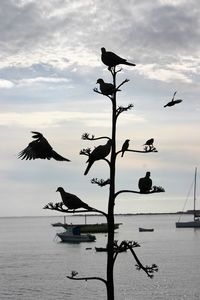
{"points": [[145, 183], [125, 147], [40, 148], [111, 59], [71, 201], [106, 88], [99, 152], [149, 143], [173, 102]]}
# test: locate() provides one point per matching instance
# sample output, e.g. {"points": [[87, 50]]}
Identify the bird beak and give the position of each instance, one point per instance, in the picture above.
{"points": [[57, 190]]}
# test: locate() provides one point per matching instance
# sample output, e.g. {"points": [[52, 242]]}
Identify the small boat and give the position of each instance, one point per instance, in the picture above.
{"points": [[102, 249], [195, 223], [145, 229], [73, 235]]}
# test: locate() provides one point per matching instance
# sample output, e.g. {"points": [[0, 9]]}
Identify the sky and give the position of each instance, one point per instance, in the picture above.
{"points": [[50, 60]]}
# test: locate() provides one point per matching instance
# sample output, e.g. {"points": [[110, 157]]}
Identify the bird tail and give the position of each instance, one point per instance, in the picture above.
{"points": [[57, 156], [88, 168], [122, 154], [129, 64]]}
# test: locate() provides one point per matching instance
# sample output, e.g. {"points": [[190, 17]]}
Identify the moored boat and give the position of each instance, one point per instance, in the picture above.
{"points": [[73, 235], [145, 229], [195, 223]]}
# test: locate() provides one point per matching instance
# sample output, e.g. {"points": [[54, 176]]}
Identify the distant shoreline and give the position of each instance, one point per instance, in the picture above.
{"points": [[189, 212]]}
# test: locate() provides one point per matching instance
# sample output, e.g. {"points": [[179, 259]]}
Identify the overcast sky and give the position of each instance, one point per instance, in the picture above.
{"points": [[49, 64]]}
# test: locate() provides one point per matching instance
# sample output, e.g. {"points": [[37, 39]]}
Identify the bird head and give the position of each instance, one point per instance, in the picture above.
{"points": [[103, 50], [99, 80], [59, 189]]}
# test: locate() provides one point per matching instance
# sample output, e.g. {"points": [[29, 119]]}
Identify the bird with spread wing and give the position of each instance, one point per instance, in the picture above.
{"points": [[40, 148], [173, 102]]}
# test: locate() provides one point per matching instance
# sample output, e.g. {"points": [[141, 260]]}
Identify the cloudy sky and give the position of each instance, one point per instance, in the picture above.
{"points": [[49, 64]]}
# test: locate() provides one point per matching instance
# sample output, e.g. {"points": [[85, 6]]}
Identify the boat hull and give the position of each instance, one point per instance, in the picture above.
{"points": [[145, 229], [86, 228], [68, 238], [191, 224]]}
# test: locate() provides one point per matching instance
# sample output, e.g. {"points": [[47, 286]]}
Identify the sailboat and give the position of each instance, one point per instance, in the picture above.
{"points": [[195, 223]]}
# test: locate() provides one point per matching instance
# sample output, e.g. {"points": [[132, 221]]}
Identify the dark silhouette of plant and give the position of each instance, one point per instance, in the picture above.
{"points": [[113, 248]]}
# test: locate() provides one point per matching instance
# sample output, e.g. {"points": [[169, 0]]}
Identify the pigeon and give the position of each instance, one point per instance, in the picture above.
{"points": [[149, 143], [99, 152], [40, 148], [71, 201], [125, 147], [173, 102], [111, 59], [145, 183], [106, 88]]}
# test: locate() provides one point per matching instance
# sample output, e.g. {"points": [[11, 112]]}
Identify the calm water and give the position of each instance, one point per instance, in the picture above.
{"points": [[34, 265]]}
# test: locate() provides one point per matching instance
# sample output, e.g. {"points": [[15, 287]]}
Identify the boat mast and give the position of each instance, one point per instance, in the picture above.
{"points": [[195, 180]]}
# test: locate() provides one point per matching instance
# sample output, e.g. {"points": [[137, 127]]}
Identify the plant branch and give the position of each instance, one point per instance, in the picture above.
{"points": [[59, 207], [126, 80], [98, 92], [149, 270], [156, 189], [86, 136], [139, 151], [121, 109], [100, 182], [72, 277]]}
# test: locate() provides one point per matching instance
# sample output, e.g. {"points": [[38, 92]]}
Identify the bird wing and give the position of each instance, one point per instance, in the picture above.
{"points": [[30, 152], [174, 96]]}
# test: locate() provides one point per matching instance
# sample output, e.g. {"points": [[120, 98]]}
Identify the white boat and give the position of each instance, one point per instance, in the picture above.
{"points": [[195, 223], [73, 235]]}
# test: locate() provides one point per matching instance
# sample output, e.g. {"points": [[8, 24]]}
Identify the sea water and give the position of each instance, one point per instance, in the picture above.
{"points": [[34, 263]]}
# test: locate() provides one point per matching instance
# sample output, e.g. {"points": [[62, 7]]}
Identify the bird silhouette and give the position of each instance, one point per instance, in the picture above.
{"points": [[99, 152], [173, 102], [149, 143], [145, 183], [111, 59], [125, 147], [40, 148], [71, 201], [106, 88]]}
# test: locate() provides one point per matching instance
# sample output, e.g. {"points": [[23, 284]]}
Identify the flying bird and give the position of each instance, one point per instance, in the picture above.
{"points": [[173, 102], [106, 88], [111, 59], [125, 147], [149, 143], [40, 148], [71, 201], [99, 152]]}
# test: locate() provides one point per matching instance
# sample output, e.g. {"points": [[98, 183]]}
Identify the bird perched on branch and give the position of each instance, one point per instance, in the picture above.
{"points": [[173, 102], [40, 148], [99, 152], [149, 143], [111, 59], [145, 183], [125, 147], [71, 201], [106, 88]]}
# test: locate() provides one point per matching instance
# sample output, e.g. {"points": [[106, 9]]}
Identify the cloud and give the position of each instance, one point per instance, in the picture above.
{"points": [[6, 84]]}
